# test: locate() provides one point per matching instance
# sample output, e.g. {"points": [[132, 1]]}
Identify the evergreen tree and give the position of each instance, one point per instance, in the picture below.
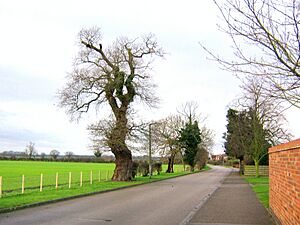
{"points": [[189, 139], [246, 136], [238, 136]]}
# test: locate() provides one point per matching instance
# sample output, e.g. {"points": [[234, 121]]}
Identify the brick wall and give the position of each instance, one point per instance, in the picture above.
{"points": [[284, 173], [250, 171]]}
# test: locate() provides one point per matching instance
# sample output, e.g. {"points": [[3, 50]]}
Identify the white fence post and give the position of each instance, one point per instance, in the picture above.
{"points": [[80, 178], [41, 183], [99, 176], [70, 179], [0, 186], [91, 177], [23, 184], [56, 181]]}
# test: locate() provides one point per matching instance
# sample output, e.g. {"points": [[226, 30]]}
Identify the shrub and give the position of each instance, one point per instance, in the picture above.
{"points": [[157, 166], [144, 168]]}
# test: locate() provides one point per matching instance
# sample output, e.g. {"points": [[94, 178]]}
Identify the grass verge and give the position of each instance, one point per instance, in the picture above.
{"points": [[33, 197], [260, 186]]}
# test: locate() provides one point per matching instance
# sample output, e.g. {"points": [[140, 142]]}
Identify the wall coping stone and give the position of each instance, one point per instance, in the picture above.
{"points": [[285, 147]]}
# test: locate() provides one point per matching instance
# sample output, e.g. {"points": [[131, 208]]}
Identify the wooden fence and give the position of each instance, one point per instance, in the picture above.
{"points": [[250, 171], [19, 185]]}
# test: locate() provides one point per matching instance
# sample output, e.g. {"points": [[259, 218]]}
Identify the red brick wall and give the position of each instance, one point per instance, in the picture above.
{"points": [[284, 173]]}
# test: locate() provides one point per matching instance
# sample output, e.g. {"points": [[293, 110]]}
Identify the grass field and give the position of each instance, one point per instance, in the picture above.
{"points": [[12, 169], [32, 168], [12, 172], [260, 186]]}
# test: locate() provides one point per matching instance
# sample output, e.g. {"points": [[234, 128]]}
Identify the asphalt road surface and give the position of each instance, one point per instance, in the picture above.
{"points": [[166, 202]]}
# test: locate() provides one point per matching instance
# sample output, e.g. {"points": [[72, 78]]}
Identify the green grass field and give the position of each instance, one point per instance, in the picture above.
{"points": [[12, 171], [260, 186], [32, 168]]}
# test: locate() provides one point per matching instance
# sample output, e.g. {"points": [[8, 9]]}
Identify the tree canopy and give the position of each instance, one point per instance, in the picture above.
{"points": [[113, 75]]}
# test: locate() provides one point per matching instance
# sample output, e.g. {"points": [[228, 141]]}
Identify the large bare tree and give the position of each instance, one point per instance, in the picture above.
{"points": [[115, 75], [265, 42]]}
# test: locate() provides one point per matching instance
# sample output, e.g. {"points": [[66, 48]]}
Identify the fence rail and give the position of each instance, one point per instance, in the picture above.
{"points": [[250, 171]]}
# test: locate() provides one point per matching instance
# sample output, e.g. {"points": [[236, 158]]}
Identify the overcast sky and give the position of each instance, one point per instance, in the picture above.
{"points": [[38, 45]]}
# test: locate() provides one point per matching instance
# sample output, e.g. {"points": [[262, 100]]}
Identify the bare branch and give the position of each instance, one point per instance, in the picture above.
{"points": [[266, 43]]}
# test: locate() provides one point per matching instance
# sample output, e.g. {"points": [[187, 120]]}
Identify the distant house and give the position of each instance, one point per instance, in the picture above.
{"points": [[220, 157]]}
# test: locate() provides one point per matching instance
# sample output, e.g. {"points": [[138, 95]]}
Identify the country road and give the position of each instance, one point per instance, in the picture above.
{"points": [[166, 202]]}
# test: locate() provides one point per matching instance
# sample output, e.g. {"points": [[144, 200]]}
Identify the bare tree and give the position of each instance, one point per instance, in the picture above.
{"points": [[69, 155], [207, 139], [30, 150], [167, 135], [205, 147], [188, 111], [116, 76], [54, 154], [269, 112], [265, 42]]}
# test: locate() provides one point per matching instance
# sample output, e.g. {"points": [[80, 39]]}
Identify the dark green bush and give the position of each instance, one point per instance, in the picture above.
{"points": [[157, 167], [144, 168]]}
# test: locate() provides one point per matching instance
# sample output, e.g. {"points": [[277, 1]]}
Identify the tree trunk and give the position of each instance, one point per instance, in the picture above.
{"points": [[123, 169], [241, 165], [256, 163], [117, 144], [171, 164]]}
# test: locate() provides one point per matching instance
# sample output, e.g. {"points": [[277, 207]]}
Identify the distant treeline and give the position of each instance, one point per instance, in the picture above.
{"points": [[60, 158], [21, 156]]}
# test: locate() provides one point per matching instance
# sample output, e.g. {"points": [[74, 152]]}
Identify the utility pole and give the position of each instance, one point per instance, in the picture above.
{"points": [[150, 151]]}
